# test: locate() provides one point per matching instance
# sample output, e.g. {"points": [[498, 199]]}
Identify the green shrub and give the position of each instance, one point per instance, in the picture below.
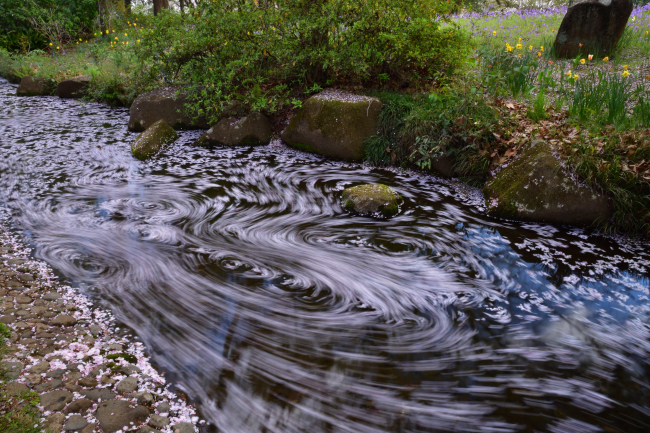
{"points": [[30, 24], [266, 53], [455, 122]]}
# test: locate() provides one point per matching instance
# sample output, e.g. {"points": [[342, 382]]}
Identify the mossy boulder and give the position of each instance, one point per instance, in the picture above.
{"points": [[334, 123], [167, 104], [368, 199], [537, 187], [153, 139], [33, 86], [252, 130], [73, 88]]}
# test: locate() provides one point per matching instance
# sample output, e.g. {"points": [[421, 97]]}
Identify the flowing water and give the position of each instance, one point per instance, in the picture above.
{"points": [[276, 311]]}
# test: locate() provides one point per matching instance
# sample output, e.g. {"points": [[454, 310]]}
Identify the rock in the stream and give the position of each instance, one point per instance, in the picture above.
{"points": [[166, 104], [536, 187], [74, 88], [31, 86], [592, 27], [372, 200], [334, 123], [252, 130], [113, 415], [153, 139]]}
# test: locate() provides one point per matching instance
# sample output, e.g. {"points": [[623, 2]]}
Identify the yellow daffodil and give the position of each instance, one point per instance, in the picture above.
{"points": [[626, 73], [575, 77], [582, 61], [625, 67], [569, 74], [606, 59]]}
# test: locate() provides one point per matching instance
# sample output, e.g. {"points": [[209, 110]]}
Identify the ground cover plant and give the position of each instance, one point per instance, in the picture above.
{"points": [[18, 413]]}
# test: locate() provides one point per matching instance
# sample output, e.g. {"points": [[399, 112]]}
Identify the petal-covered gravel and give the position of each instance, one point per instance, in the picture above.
{"points": [[90, 376]]}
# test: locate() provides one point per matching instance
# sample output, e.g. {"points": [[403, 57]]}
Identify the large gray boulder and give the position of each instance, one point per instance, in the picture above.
{"points": [[592, 27], [33, 86], [73, 88], [167, 104], [252, 130], [537, 187], [334, 123], [153, 139], [372, 200]]}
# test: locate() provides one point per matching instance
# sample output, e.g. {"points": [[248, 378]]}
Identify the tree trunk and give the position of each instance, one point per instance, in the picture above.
{"points": [[182, 5], [165, 4], [157, 6], [100, 12], [127, 6]]}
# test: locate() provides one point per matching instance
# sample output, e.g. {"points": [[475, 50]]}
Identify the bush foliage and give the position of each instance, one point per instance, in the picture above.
{"points": [[267, 52], [29, 24]]}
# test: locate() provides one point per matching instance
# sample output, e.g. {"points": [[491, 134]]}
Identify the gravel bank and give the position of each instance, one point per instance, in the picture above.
{"points": [[89, 377]]}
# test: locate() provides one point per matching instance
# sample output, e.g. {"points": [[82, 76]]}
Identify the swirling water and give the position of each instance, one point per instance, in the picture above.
{"points": [[276, 311]]}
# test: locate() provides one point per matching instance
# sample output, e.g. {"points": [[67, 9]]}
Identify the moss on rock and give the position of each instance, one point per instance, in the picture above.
{"points": [[371, 199], [334, 123], [153, 139], [536, 187]]}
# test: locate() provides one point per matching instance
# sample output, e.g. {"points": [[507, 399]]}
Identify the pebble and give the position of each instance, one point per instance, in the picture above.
{"points": [[99, 394], [158, 422], [79, 406], [129, 384], [63, 320], [183, 427], [113, 415], [55, 400], [74, 423]]}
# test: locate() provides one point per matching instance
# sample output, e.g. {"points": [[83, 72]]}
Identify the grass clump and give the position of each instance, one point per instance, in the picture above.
{"points": [[456, 121], [18, 413]]}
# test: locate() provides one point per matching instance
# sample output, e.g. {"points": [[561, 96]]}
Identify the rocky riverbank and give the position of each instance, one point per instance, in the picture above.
{"points": [[90, 377]]}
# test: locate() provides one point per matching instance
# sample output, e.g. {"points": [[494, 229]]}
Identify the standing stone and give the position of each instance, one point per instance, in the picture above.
{"points": [[153, 140], [74, 88], [334, 123], [596, 24], [33, 86]]}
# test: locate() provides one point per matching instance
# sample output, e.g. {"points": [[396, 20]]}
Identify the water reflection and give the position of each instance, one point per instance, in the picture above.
{"points": [[278, 312]]}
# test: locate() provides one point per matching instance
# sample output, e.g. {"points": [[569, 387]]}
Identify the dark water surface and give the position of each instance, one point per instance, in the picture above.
{"points": [[278, 312]]}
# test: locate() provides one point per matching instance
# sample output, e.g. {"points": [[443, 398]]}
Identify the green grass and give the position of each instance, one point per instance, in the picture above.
{"points": [[18, 414]]}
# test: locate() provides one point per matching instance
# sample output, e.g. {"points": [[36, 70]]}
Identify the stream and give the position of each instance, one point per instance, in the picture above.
{"points": [[277, 311]]}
